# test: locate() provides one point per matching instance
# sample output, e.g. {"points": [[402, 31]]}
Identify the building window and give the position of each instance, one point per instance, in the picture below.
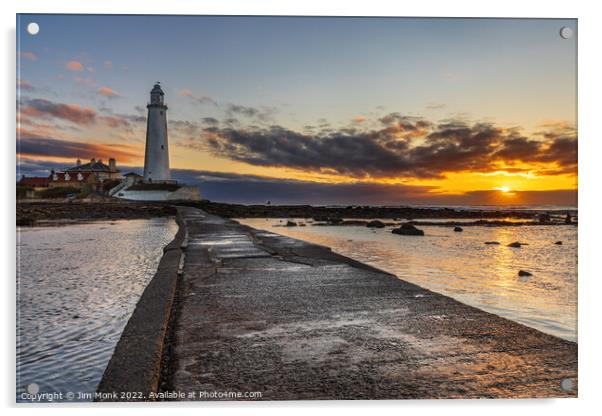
{"points": [[162, 147]]}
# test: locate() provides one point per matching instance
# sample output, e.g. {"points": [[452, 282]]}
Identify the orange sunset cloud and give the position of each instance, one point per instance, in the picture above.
{"points": [[74, 66], [107, 92], [28, 55]]}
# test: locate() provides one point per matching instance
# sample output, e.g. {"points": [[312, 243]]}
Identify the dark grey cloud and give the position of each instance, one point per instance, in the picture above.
{"points": [[232, 121], [185, 127], [206, 100], [33, 145], [558, 145], [243, 110], [403, 147], [199, 99], [355, 155], [39, 107], [133, 118], [210, 121], [518, 148], [116, 122], [403, 121], [262, 113], [31, 167]]}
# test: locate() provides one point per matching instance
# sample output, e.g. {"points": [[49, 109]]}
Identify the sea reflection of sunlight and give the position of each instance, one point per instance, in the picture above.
{"points": [[462, 266]]}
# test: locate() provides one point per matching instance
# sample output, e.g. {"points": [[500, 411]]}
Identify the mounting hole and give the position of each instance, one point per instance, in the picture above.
{"points": [[33, 28], [33, 388], [566, 384], [566, 32]]}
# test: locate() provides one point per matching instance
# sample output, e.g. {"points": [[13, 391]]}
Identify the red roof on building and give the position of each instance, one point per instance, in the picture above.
{"points": [[34, 181]]}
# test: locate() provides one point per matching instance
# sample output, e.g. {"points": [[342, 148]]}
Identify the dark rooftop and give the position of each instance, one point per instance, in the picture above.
{"points": [[92, 166]]}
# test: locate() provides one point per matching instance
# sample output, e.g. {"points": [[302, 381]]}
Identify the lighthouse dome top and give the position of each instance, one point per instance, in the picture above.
{"points": [[157, 89], [157, 97]]}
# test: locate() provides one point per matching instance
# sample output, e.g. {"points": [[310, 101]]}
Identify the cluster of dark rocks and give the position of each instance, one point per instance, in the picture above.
{"points": [[518, 244], [335, 221], [336, 214], [29, 213]]}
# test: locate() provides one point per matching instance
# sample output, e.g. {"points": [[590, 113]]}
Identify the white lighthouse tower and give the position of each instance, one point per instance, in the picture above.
{"points": [[156, 157], [156, 184]]}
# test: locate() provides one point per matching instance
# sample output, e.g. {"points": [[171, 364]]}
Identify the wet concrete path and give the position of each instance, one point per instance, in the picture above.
{"points": [[260, 312]]}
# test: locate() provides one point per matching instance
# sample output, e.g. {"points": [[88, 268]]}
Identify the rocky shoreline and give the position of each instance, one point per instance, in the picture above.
{"points": [[362, 212], [31, 212], [449, 224]]}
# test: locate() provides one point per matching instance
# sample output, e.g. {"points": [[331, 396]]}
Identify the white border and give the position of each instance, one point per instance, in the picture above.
{"points": [[590, 203]]}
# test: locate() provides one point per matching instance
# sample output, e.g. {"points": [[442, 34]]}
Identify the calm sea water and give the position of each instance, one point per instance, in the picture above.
{"points": [[461, 266], [76, 289]]}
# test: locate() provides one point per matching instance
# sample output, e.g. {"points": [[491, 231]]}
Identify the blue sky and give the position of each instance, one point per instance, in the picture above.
{"points": [[321, 67]]}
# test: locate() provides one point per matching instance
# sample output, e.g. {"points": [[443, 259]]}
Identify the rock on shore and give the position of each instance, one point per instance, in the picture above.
{"points": [[517, 244], [375, 224], [407, 229]]}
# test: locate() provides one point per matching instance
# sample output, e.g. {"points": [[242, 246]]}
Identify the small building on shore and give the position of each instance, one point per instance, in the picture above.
{"points": [[88, 177], [91, 175], [37, 183], [101, 170], [28, 186], [72, 180], [132, 178]]}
